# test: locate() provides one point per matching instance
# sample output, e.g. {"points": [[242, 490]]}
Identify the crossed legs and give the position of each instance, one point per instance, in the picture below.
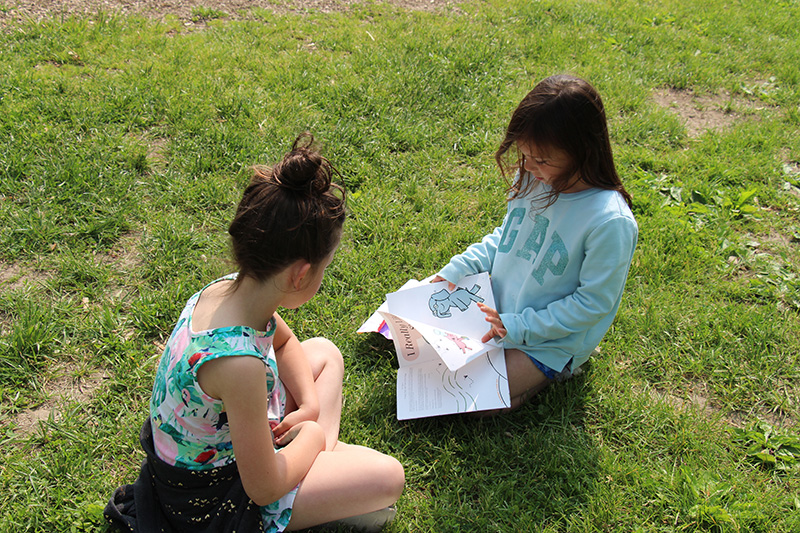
{"points": [[525, 381], [345, 480]]}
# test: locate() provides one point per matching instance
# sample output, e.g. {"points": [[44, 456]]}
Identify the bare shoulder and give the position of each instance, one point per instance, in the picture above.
{"points": [[229, 376], [207, 309]]}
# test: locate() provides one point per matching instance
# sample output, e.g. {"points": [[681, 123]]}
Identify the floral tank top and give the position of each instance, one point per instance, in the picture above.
{"points": [[190, 428]]}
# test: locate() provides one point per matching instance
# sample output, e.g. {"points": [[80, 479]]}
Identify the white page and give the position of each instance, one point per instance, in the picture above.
{"points": [[453, 349], [376, 323], [443, 367], [456, 311], [410, 345], [430, 389]]}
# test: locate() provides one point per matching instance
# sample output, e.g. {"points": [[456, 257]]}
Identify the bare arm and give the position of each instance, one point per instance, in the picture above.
{"points": [[295, 374], [241, 384]]}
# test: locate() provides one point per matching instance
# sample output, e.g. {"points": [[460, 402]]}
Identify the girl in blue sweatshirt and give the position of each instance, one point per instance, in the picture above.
{"points": [[560, 259]]}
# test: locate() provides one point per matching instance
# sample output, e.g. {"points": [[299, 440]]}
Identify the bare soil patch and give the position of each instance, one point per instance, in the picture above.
{"points": [[699, 113], [15, 276], [704, 112], [62, 390], [696, 398]]}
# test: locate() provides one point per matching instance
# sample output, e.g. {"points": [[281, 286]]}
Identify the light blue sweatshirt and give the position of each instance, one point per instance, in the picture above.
{"points": [[557, 274]]}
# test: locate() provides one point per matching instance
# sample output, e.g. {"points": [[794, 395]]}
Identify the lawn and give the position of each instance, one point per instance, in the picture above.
{"points": [[125, 143]]}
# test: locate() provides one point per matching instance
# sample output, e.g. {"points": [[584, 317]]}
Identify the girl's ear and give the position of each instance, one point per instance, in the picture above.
{"points": [[297, 273]]}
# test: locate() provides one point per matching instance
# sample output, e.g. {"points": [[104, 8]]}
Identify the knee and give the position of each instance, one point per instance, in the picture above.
{"points": [[392, 480], [326, 352]]}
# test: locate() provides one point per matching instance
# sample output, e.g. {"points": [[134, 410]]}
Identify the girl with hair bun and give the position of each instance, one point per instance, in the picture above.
{"points": [[244, 418]]}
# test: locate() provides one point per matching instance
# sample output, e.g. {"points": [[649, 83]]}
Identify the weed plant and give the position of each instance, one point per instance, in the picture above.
{"points": [[125, 144]]}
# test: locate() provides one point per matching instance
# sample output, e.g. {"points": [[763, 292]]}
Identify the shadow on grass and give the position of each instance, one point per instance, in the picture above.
{"points": [[535, 466]]}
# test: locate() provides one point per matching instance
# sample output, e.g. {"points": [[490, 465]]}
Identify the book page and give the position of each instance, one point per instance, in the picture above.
{"points": [[453, 349], [444, 368], [454, 311], [376, 323], [410, 345], [430, 389]]}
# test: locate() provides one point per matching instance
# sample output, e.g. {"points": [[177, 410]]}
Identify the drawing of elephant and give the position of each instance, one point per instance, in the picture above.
{"points": [[441, 302]]}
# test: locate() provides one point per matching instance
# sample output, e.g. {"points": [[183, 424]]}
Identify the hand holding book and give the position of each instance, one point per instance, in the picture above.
{"points": [[445, 366]]}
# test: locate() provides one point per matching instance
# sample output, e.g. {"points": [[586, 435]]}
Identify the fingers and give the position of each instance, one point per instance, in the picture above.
{"points": [[486, 309], [285, 426], [494, 332], [283, 440], [492, 317], [278, 431], [491, 314], [285, 432], [291, 420], [450, 286], [287, 437]]}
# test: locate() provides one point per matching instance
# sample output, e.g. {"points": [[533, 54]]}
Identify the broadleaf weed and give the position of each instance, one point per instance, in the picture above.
{"points": [[767, 447]]}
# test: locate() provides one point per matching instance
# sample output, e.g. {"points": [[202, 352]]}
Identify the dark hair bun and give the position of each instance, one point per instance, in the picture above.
{"points": [[302, 171], [290, 211]]}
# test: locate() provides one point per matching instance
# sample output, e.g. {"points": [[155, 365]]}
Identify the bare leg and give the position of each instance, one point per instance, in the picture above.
{"points": [[327, 368], [525, 381], [349, 481], [345, 480]]}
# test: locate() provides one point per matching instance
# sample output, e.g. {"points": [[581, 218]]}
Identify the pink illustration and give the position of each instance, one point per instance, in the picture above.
{"points": [[459, 342]]}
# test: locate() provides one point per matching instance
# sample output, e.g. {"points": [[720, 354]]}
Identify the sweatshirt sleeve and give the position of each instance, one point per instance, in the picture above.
{"points": [[478, 258], [608, 254]]}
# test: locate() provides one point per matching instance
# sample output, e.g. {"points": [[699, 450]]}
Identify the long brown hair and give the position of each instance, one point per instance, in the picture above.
{"points": [[565, 113], [290, 211]]}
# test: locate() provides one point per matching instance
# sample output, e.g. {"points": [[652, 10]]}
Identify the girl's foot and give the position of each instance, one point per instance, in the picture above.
{"points": [[368, 523]]}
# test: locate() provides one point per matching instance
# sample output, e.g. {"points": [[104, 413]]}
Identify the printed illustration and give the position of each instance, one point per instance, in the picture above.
{"points": [[461, 388], [461, 298], [459, 341], [444, 368], [448, 342]]}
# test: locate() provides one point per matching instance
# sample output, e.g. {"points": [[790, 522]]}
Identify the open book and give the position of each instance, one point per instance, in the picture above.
{"points": [[444, 368]]}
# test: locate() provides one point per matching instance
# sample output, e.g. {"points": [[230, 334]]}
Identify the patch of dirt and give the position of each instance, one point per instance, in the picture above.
{"points": [[11, 275], [706, 112], [791, 168], [699, 113], [696, 398], [20, 10], [124, 254], [62, 390], [14, 276]]}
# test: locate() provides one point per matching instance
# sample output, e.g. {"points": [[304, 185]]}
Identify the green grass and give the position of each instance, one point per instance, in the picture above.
{"points": [[125, 144]]}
